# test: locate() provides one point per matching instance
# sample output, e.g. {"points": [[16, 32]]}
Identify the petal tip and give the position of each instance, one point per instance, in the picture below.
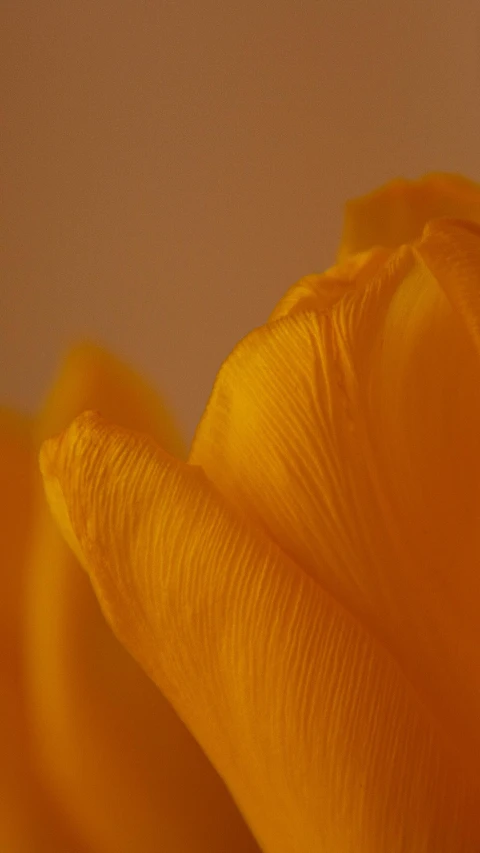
{"points": [[55, 461], [50, 456]]}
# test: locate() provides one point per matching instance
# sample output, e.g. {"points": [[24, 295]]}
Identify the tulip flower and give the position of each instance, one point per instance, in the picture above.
{"points": [[94, 758], [303, 590]]}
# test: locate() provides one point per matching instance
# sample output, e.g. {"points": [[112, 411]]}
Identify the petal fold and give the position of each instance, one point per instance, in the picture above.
{"points": [[451, 251], [320, 292]]}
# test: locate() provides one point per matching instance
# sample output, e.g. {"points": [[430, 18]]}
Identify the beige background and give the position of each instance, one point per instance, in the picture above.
{"points": [[169, 168]]}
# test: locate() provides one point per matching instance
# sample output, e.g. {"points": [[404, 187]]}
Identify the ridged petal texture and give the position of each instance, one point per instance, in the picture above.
{"points": [[127, 773], [323, 741]]}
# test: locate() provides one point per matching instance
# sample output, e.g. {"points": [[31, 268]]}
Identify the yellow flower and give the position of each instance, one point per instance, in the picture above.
{"points": [[93, 758], [305, 589]]}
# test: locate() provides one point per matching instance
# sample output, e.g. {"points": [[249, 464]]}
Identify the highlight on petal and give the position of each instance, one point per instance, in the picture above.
{"points": [[321, 291], [352, 437], [323, 742], [397, 212], [127, 772]]}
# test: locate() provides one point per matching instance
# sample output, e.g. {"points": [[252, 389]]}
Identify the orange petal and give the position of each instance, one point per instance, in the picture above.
{"points": [[321, 291], [451, 251], [322, 740], [397, 212], [129, 774], [352, 438]]}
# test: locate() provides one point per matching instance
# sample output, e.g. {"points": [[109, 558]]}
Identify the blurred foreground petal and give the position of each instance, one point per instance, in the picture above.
{"points": [[29, 822], [323, 742]]}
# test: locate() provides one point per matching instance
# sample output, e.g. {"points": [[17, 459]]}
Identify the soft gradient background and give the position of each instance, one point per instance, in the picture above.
{"points": [[171, 167]]}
